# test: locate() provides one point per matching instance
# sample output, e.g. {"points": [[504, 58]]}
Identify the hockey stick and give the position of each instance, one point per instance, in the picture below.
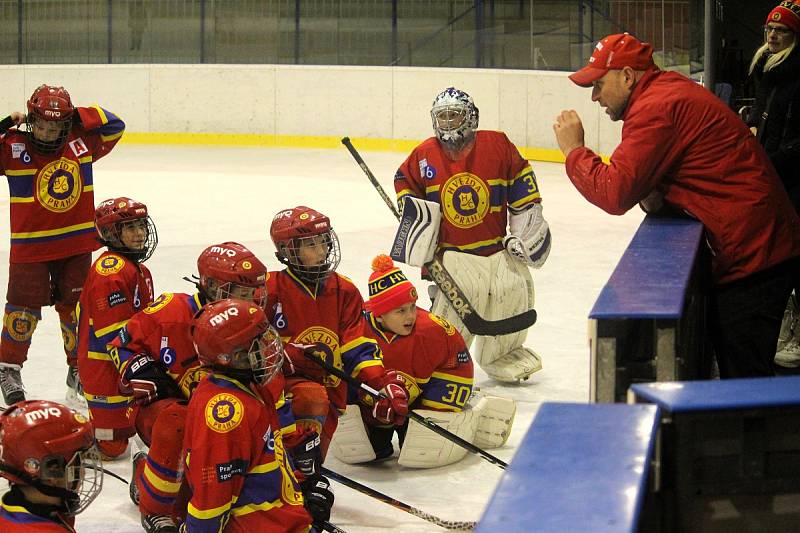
{"points": [[428, 423], [363, 489], [332, 528], [475, 323]]}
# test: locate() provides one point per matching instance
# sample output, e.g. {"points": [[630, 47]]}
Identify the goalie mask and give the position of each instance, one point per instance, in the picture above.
{"points": [[125, 227], [455, 119], [51, 447], [306, 243], [229, 270], [49, 118], [234, 337]]}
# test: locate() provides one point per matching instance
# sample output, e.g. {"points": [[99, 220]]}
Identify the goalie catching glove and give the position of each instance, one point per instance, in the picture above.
{"points": [[392, 408], [528, 240], [146, 381]]}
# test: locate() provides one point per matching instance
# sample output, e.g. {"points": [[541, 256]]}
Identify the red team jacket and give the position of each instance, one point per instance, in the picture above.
{"points": [[52, 196], [162, 331], [434, 356], [14, 518], [330, 314], [115, 289], [474, 192], [682, 140], [238, 472]]}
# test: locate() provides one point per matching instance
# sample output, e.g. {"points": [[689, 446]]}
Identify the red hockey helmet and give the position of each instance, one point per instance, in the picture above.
{"points": [[124, 226], [234, 336], [51, 447], [229, 270], [49, 104], [306, 243]]}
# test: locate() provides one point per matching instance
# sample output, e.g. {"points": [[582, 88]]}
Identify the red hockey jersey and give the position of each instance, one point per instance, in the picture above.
{"points": [[241, 479], [52, 196], [19, 520], [474, 192], [329, 314], [434, 360], [162, 331], [115, 289]]}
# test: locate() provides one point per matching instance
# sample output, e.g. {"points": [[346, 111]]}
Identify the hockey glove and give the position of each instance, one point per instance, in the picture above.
{"points": [[318, 498], [305, 447], [146, 381], [297, 364], [393, 407]]}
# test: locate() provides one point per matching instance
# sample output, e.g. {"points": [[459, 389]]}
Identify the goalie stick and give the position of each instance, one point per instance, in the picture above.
{"points": [[428, 423], [363, 489], [475, 323]]}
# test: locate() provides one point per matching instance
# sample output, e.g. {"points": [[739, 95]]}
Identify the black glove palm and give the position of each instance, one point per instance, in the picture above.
{"points": [[318, 498]]}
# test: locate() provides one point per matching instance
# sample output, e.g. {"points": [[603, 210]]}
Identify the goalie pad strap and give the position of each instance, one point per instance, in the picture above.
{"points": [[418, 233]]}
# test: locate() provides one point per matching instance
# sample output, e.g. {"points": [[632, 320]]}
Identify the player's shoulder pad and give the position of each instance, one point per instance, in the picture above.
{"points": [[430, 322], [224, 411], [109, 264]]}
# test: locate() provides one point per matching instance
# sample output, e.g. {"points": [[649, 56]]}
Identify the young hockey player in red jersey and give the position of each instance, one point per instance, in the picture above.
{"points": [[238, 472], [118, 285], [310, 304], [430, 356], [158, 366], [48, 456], [49, 171], [473, 184]]}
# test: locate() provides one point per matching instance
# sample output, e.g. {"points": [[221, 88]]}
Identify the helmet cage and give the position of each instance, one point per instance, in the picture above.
{"points": [[216, 290], [83, 479], [289, 253], [51, 105], [264, 357], [111, 236], [44, 146], [454, 118]]}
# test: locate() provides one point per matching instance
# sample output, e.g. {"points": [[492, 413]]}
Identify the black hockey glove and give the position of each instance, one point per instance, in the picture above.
{"points": [[144, 378], [318, 498], [307, 453]]}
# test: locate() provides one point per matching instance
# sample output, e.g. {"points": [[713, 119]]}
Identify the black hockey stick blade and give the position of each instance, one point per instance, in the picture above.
{"points": [[428, 423], [475, 323], [363, 489]]}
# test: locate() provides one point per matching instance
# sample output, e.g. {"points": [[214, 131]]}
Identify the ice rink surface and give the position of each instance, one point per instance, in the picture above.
{"points": [[202, 195]]}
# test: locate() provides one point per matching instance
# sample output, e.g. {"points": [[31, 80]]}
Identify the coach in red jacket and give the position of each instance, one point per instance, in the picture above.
{"points": [[682, 148]]}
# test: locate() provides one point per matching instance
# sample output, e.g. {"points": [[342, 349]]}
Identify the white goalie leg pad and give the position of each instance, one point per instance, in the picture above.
{"points": [[473, 274], [350, 443], [418, 233], [503, 357], [495, 421], [422, 448]]}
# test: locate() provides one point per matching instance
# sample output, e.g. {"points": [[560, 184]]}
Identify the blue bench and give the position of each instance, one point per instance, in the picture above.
{"points": [[580, 468], [647, 321], [728, 455]]}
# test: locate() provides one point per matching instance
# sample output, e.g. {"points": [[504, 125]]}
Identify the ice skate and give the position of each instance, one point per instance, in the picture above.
{"points": [[11, 383]]}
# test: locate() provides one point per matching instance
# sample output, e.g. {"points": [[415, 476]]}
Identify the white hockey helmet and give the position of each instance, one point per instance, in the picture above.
{"points": [[455, 118]]}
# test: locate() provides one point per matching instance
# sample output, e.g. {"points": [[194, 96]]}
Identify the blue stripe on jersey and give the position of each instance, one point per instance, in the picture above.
{"points": [[29, 240]]}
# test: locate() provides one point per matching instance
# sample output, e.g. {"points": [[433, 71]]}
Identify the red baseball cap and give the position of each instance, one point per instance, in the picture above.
{"points": [[614, 52]]}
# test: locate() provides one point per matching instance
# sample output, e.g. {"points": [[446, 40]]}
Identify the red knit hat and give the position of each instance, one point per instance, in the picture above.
{"points": [[388, 287], [788, 14], [614, 53]]}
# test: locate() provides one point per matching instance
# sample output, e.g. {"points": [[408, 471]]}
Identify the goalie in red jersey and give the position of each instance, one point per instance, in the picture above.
{"points": [[318, 310], [429, 356], [50, 181], [471, 198], [48, 456]]}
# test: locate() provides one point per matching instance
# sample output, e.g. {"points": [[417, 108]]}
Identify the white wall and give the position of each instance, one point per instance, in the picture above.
{"points": [[371, 102]]}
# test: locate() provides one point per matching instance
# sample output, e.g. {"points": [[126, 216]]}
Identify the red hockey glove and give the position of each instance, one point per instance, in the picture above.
{"points": [[392, 409], [146, 381], [297, 364]]}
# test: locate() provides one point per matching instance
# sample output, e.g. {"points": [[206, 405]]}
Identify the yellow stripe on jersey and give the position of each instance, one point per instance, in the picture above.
{"points": [[169, 487], [24, 172], [85, 159], [355, 342], [404, 192], [254, 508], [440, 406], [107, 138], [207, 514], [50, 232], [264, 468], [100, 356], [366, 364], [107, 399], [471, 246], [108, 329], [431, 188], [451, 377], [103, 117], [22, 199]]}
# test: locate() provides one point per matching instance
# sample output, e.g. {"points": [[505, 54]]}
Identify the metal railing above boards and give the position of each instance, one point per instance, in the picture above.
{"points": [[517, 34]]}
